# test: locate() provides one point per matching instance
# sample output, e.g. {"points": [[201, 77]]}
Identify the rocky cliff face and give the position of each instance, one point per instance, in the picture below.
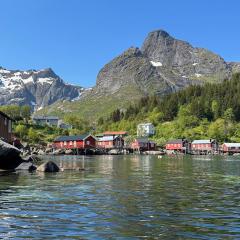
{"points": [[36, 88], [163, 64]]}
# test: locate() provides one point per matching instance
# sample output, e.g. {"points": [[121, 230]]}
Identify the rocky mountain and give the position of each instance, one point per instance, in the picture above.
{"points": [[162, 65], [36, 88]]}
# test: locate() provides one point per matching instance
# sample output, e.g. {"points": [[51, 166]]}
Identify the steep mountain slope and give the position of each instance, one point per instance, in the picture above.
{"points": [[36, 88], [163, 65]]}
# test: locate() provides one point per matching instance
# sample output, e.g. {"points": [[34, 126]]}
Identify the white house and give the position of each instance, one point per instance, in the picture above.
{"points": [[51, 121], [145, 130]]}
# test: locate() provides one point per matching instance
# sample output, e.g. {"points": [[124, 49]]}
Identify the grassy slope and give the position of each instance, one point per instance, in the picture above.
{"points": [[92, 107]]}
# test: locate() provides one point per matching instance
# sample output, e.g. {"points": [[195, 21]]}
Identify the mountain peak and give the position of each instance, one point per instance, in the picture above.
{"points": [[38, 88], [159, 33]]}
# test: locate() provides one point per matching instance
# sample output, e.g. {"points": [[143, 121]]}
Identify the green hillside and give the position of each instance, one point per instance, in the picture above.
{"points": [[208, 111], [91, 107]]}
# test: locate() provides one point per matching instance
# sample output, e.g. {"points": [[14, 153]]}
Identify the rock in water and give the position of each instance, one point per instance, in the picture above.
{"points": [[9, 156], [48, 167], [27, 166]]}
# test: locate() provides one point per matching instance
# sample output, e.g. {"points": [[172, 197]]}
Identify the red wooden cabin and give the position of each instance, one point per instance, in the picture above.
{"points": [[110, 142], [208, 145], [178, 145], [86, 141], [5, 127], [143, 144], [231, 148]]}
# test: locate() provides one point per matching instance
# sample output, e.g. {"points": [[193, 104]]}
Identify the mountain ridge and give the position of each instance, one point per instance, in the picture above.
{"points": [[163, 64], [37, 88]]}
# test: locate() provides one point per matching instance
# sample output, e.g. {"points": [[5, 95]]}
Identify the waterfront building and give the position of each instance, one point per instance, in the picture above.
{"points": [[5, 127], [109, 142], [143, 144], [145, 130], [231, 148], [85, 141], [178, 145], [204, 146]]}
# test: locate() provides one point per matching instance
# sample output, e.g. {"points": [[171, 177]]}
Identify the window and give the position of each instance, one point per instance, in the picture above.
{"points": [[65, 143], [88, 142], [71, 143], [5, 121]]}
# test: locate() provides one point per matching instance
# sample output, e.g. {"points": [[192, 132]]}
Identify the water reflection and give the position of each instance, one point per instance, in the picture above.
{"points": [[125, 197]]}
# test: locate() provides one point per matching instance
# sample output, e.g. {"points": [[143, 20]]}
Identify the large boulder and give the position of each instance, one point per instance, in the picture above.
{"points": [[48, 167], [9, 156]]}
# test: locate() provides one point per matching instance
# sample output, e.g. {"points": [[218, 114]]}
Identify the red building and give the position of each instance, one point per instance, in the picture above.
{"points": [[86, 141], [231, 148], [178, 145], [204, 146], [5, 127], [110, 142], [143, 144]]}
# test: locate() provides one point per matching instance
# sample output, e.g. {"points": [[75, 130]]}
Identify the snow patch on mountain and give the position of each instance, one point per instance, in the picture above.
{"points": [[156, 64], [37, 88]]}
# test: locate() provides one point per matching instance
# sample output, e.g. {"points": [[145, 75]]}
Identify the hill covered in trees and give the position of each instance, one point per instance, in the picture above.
{"points": [[207, 111]]}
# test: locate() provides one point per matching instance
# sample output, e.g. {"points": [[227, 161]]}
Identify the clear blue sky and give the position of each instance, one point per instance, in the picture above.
{"points": [[77, 37]]}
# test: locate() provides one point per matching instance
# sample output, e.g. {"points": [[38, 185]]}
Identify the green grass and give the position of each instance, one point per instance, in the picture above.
{"points": [[92, 107]]}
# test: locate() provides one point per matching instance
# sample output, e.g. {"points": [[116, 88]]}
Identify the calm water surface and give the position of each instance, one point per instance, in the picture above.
{"points": [[124, 197]]}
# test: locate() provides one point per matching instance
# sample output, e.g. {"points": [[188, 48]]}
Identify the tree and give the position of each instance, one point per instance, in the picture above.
{"points": [[21, 131], [26, 112], [33, 135], [215, 109]]}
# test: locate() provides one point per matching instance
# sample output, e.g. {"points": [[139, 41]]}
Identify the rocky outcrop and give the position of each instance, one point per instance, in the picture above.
{"points": [[9, 156], [26, 166], [48, 167], [35, 88]]}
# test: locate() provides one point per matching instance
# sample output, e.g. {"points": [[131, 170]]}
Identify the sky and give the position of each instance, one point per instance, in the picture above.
{"points": [[76, 38]]}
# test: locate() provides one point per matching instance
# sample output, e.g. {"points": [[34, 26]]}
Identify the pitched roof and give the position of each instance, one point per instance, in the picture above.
{"points": [[72, 138], [45, 118], [203, 141], [144, 124], [175, 141], [232, 144], [143, 140], [114, 133], [5, 115], [107, 138]]}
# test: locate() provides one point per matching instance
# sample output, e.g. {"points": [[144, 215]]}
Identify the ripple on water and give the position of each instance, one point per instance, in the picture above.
{"points": [[125, 197]]}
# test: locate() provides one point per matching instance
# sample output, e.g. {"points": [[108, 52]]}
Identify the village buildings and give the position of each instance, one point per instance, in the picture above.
{"points": [[178, 145], [110, 142], [85, 141], [205, 146], [5, 127], [143, 144], [230, 148]]}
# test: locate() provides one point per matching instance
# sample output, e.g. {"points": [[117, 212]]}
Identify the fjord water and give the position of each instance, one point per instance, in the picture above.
{"points": [[124, 197]]}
